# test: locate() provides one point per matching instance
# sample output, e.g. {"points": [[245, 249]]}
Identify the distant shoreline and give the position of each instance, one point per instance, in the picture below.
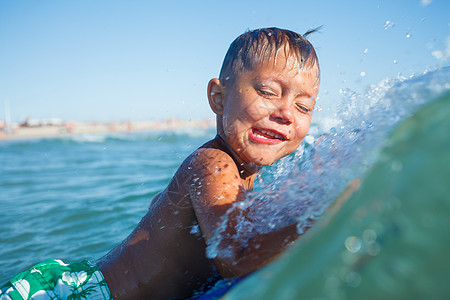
{"points": [[77, 128]]}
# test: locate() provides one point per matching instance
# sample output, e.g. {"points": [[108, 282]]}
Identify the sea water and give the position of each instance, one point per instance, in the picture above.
{"points": [[77, 197]]}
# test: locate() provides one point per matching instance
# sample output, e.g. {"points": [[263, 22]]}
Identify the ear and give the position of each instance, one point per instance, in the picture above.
{"points": [[216, 96]]}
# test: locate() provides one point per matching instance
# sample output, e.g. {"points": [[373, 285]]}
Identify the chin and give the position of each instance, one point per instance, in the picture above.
{"points": [[262, 161]]}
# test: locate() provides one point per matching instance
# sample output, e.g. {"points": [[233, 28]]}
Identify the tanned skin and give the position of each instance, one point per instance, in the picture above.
{"points": [[262, 116]]}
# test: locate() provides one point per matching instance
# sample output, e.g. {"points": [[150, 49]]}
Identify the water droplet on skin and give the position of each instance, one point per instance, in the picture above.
{"points": [[353, 244], [194, 229]]}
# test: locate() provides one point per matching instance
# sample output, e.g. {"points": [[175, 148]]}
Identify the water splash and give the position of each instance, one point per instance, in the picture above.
{"points": [[388, 25], [299, 188]]}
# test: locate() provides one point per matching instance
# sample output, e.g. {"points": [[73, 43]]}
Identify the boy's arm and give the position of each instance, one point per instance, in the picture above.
{"points": [[216, 186], [154, 200]]}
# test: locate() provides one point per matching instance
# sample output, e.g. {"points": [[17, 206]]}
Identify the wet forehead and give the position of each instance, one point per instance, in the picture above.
{"points": [[287, 71], [287, 62]]}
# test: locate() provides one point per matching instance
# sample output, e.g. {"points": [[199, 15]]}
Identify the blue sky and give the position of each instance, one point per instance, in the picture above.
{"points": [[142, 60]]}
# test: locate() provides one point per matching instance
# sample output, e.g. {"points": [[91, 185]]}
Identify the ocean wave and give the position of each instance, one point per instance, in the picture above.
{"points": [[167, 136]]}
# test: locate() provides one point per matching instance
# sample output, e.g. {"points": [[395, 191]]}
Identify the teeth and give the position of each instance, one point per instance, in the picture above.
{"points": [[269, 133]]}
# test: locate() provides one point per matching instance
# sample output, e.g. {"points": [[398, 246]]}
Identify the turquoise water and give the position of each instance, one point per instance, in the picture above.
{"points": [[77, 197]]}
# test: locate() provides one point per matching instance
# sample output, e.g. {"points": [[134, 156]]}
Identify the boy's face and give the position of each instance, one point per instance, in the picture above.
{"points": [[267, 111]]}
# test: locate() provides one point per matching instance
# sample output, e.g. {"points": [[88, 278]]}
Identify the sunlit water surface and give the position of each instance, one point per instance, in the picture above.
{"points": [[76, 197]]}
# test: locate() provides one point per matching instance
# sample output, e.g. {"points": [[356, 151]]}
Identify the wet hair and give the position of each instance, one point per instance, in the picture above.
{"points": [[257, 46]]}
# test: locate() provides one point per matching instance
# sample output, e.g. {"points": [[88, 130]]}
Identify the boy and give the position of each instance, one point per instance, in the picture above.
{"points": [[263, 100]]}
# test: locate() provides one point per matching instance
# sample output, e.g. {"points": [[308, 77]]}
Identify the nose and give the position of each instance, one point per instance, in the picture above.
{"points": [[282, 114]]}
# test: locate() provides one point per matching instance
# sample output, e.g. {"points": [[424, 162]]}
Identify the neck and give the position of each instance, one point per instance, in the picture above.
{"points": [[247, 171]]}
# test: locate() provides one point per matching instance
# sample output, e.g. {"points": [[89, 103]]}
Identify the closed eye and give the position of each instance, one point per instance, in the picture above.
{"points": [[303, 108], [266, 94]]}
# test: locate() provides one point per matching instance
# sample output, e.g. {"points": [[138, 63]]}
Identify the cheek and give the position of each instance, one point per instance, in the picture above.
{"points": [[258, 110], [302, 127]]}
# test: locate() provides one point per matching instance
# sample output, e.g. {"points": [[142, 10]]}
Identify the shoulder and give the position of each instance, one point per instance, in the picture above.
{"points": [[207, 171], [213, 159], [213, 176], [209, 158]]}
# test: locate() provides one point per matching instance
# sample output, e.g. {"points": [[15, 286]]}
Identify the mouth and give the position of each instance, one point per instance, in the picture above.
{"points": [[266, 136]]}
